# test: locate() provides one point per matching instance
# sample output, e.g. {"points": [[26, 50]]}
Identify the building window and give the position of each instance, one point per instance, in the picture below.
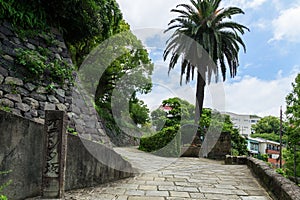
{"points": [[253, 147]]}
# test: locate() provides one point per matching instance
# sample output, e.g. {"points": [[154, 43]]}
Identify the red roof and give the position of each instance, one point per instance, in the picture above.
{"points": [[166, 108]]}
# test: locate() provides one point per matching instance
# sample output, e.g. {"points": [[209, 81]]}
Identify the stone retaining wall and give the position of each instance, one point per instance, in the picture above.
{"points": [[279, 186], [29, 98], [21, 151], [217, 147]]}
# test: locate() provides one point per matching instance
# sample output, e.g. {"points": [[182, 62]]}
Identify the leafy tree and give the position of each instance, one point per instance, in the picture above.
{"points": [[25, 14], [269, 124], [158, 118], [85, 24], [238, 143], [293, 130], [123, 65], [293, 112], [181, 111], [85, 18], [288, 157], [208, 25], [271, 136], [126, 76], [139, 112]]}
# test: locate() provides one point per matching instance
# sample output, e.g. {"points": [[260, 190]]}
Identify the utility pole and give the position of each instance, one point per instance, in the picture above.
{"points": [[280, 148]]}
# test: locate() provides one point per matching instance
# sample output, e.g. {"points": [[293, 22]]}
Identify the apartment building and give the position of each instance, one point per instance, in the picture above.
{"points": [[243, 122]]}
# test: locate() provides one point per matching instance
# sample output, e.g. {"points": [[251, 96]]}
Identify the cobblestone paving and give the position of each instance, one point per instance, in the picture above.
{"points": [[177, 179]]}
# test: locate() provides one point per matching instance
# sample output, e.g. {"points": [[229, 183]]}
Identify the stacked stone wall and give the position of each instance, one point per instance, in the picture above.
{"points": [[30, 98]]}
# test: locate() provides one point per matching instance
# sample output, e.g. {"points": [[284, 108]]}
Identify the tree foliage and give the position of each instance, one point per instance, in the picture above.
{"points": [[292, 165], [127, 75], [269, 124], [271, 136], [181, 111], [139, 112], [288, 157], [293, 112]]}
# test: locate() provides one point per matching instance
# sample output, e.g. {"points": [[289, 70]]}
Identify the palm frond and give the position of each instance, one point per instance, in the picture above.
{"points": [[203, 23]]}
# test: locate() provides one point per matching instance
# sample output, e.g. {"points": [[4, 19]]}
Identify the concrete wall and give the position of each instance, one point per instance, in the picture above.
{"points": [[21, 144], [90, 164], [21, 150]]}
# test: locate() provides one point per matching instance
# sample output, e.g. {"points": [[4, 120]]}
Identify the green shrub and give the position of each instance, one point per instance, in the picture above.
{"points": [[164, 143]]}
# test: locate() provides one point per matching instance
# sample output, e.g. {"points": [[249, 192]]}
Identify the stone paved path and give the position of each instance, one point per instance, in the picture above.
{"points": [[177, 179]]}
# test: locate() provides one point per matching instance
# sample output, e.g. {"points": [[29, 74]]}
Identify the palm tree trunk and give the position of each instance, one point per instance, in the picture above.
{"points": [[199, 97]]}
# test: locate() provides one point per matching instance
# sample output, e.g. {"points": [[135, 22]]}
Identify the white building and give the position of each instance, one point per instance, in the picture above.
{"points": [[259, 146], [243, 122]]}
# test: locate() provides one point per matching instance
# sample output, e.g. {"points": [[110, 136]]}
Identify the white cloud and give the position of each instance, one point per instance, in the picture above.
{"points": [[166, 86], [148, 14], [261, 24], [156, 13], [255, 96], [286, 26], [255, 3], [244, 4]]}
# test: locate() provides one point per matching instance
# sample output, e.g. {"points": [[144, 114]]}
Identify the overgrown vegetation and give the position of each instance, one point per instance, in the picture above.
{"points": [[27, 17], [83, 23], [40, 67]]}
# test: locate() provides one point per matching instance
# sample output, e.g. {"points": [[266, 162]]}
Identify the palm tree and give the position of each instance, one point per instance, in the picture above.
{"points": [[203, 25]]}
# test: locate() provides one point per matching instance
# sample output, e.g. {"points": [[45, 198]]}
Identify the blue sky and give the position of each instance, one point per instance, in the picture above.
{"points": [[266, 71]]}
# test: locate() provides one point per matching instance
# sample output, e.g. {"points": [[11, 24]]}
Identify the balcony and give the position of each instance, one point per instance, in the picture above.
{"points": [[270, 151]]}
